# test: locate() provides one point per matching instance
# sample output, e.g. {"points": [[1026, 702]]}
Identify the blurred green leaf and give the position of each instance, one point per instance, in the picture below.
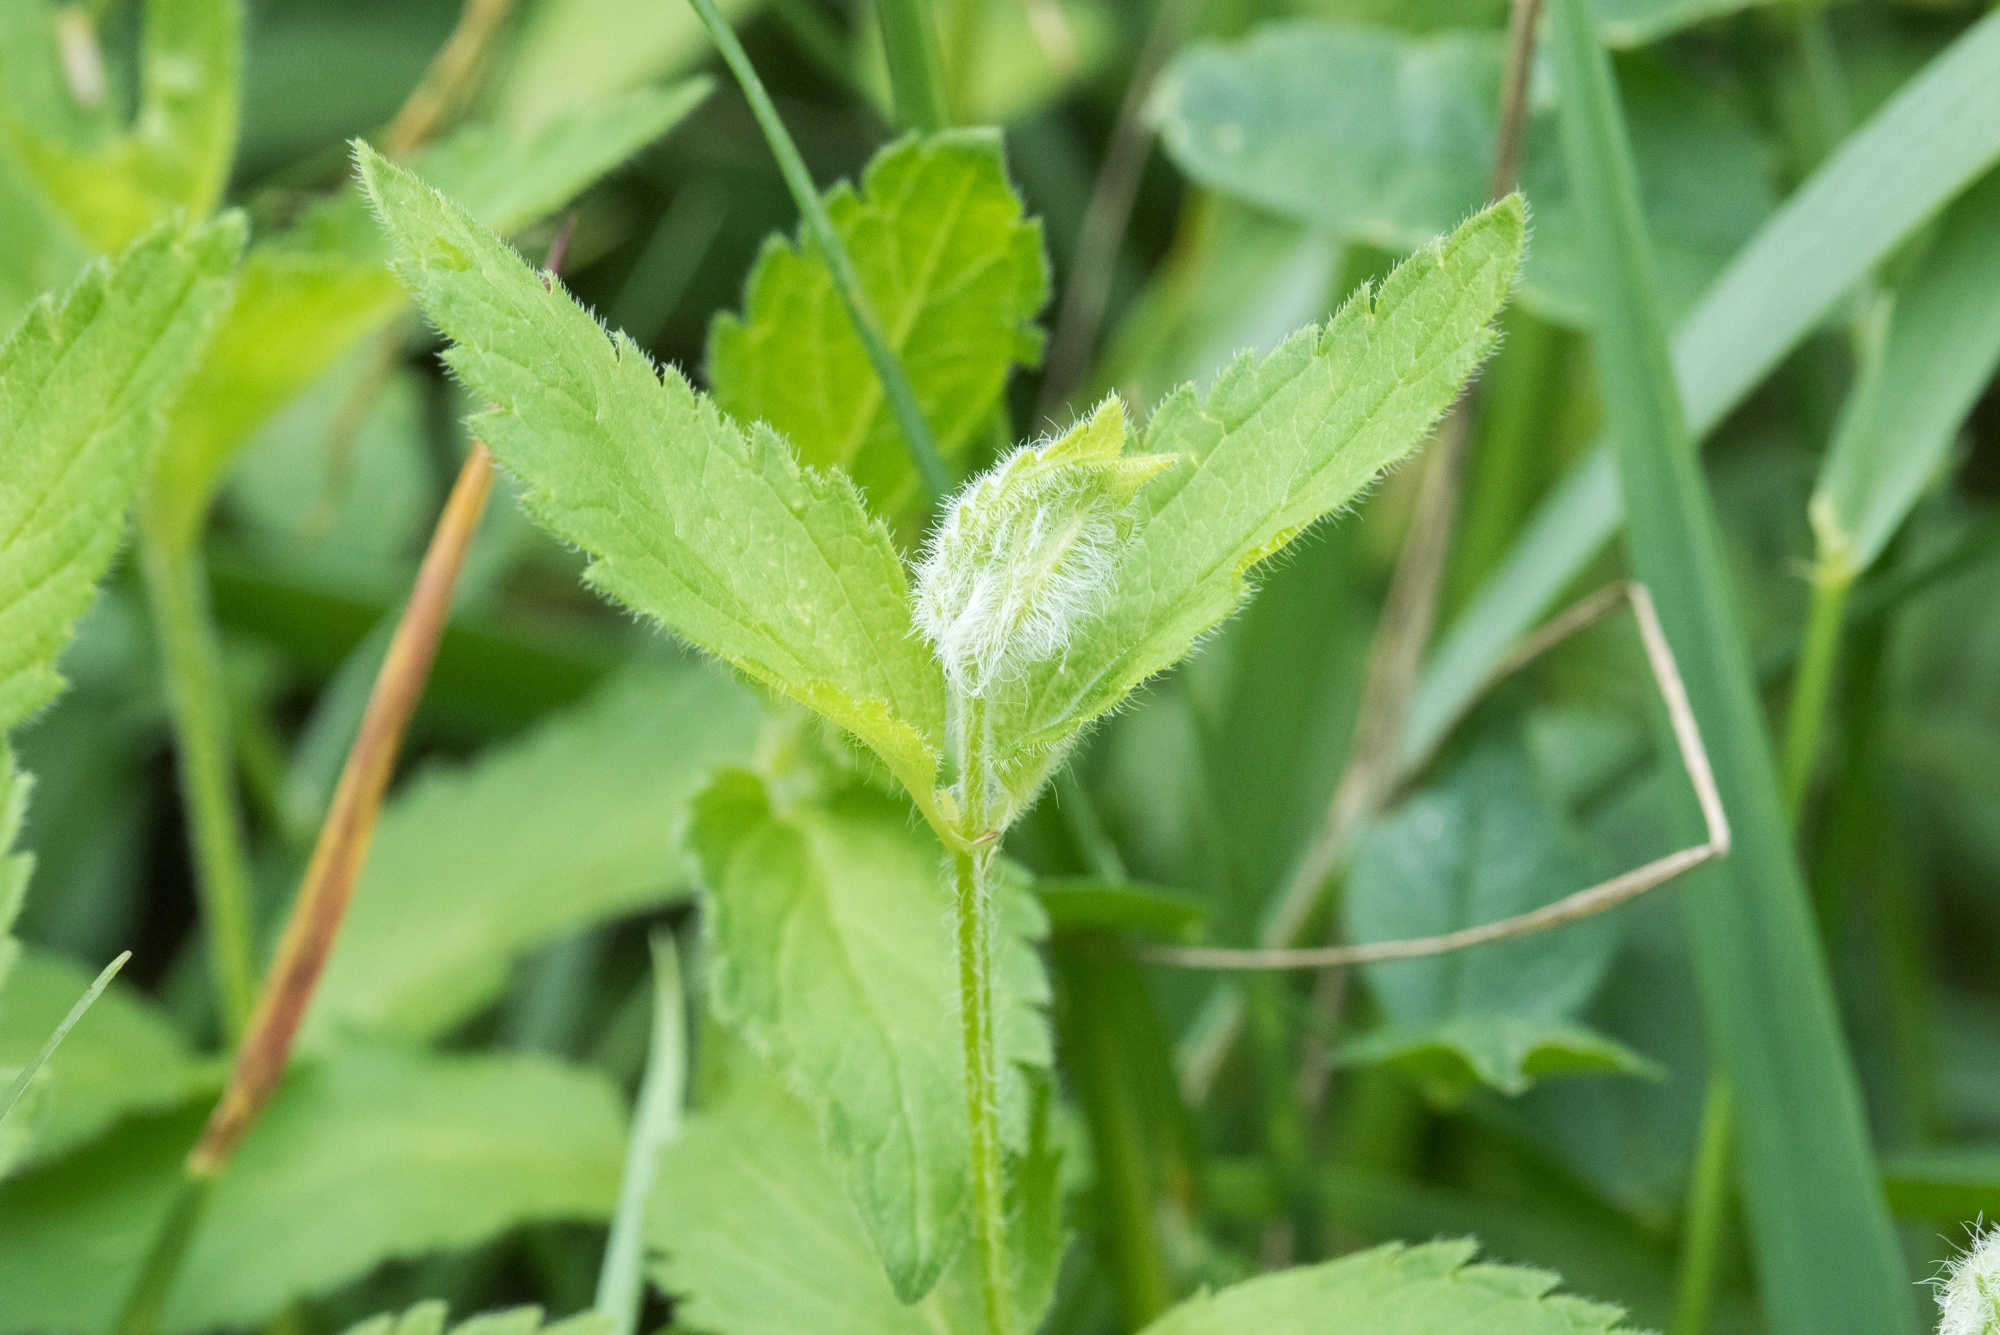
{"points": [[1274, 446], [1487, 842], [309, 294], [1075, 902], [175, 155], [1936, 358], [1433, 1289], [1827, 1255], [576, 822], [834, 961], [954, 275], [1385, 138], [753, 1235], [1636, 22], [429, 1319], [1951, 1184], [1940, 131], [42, 254], [572, 53], [123, 1057], [367, 1155], [781, 571]]}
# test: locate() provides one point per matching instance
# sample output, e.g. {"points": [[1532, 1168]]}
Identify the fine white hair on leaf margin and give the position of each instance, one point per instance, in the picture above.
{"points": [[1968, 1292]]}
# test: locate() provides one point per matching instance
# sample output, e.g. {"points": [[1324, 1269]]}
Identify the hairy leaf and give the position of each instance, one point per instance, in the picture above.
{"points": [[429, 1319], [176, 153], [1434, 1289], [1387, 138], [719, 534], [123, 1057], [309, 294], [362, 1157], [954, 274], [753, 1235], [835, 961], [1273, 447], [579, 821], [84, 381]]}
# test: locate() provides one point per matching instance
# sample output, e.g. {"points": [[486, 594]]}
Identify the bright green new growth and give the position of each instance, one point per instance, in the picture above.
{"points": [[833, 962], [721, 535], [1022, 558], [1273, 447], [84, 382], [1433, 1289], [954, 274]]}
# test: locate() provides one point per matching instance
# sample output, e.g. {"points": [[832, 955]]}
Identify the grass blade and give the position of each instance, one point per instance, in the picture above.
{"points": [[658, 1122], [27, 1073], [1940, 132], [1827, 1256]]}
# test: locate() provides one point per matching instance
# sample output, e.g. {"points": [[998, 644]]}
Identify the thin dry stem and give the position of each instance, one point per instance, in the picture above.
{"points": [[350, 824], [1571, 908], [449, 81]]}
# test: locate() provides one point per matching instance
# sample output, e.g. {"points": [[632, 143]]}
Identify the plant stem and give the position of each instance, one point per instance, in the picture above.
{"points": [[177, 587], [147, 1302], [846, 281], [27, 1073], [656, 1122], [916, 80], [1707, 1210], [971, 871], [1813, 681]]}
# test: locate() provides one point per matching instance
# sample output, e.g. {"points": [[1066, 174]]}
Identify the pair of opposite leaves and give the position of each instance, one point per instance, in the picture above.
{"points": [[1055, 584]]}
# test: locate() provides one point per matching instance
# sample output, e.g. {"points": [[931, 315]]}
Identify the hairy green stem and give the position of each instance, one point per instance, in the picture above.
{"points": [[178, 591], [972, 903], [916, 80], [846, 281], [1707, 1210], [1814, 681]]}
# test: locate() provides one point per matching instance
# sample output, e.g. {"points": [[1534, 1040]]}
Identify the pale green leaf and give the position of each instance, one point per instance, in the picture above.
{"points": [[309, 294], [42, 254], [579, 821], [1627, 23], [952, 272], [123, 1057], [834, 959], [429, 1319], [1273, 447], [1433, 1289], [778, 570], [571, 53], [84, 381], [1384, 137], [363, 1157], [1936, 357], [752, 1234], [176, 153], [1487, 842]]}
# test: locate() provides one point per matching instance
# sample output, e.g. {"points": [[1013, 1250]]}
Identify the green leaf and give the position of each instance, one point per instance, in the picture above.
{"points": [[176, 154], [778, 570], [365, 1156], [1948, 1185], [834, 961], [1488, 842], [1935, 359], [953, 273], [1509, 1052], [576, 822], [1085, 902], [1626, 23], [753, 1235], [83, 384], [1273, 447], [1385, 137], [1433, 1289], [309, 294], [42, 254], [123, 1057], [1940, 132], [1828, 1259], [429, 1319]]}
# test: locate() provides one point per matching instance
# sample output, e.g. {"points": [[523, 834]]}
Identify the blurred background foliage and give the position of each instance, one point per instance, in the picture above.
{"points": [[1286, 151]]}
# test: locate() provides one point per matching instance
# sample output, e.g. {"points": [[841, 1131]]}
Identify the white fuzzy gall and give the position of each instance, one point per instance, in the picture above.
{"points": [[1969, 1294], [1024, 553]]}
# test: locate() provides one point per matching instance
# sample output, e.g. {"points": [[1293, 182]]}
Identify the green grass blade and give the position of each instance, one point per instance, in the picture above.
{"points": [[1940, 132], [27, 1073], [658, 1122], [1938, 352], [1827, 1257]]}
